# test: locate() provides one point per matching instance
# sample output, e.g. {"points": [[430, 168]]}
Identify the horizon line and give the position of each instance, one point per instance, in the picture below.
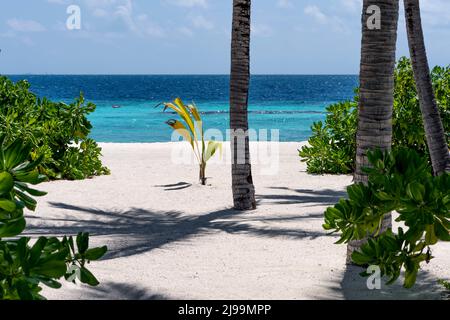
{"points": [[175, 74]]}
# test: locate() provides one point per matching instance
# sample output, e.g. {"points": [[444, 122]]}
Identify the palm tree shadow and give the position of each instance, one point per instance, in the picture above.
{"points": [[175, 186], [121, 291], [115, 291], [136, 231], [323, 197], [352, 286]]}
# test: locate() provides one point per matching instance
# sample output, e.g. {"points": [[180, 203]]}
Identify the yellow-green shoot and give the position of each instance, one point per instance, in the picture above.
{"points": [[191, 129]]}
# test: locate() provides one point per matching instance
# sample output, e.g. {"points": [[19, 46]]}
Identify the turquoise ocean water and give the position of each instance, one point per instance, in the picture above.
{"points": [[288, 103]]}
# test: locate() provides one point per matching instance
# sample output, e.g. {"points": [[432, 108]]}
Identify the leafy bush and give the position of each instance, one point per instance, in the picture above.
{"points": [[334, 142], [57, 131], [83, 161], [24, 267], [401, 181], [332, 147]]}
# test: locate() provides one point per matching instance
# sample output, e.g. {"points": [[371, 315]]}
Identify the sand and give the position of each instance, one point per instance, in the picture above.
{"points": [[170, 238]]}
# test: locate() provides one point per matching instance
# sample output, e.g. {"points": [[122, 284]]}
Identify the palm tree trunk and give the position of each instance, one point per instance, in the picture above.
{"points": [[202, 174], [242, 181], [434, 128], [376, 97]]}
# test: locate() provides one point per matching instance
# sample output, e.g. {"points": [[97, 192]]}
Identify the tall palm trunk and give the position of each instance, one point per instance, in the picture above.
{"points": [[434, 129], [376, 97], [242, 181]]}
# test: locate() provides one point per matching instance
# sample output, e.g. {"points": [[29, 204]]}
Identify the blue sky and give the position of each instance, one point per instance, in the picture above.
{"points": [[192, 36]]}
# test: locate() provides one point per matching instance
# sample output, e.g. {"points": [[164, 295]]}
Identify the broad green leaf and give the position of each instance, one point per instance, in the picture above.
{"points": [[410, 277], [50, 283], [23, 186], [7, 205], [415, 191], [6, 182], [24, 291], [95, 253], [384, 196], [82, 242], [53, 269], [29, 202], [360, 259], [333, 213], [28, 166], [36, 250], [88, 278], [441, 232], [15, 154], [32, 177], [430, 236], [12, 228], [355, 193]]}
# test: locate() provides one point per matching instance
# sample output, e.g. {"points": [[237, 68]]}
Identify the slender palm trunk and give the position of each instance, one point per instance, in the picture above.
{"points": [[434, 129], [242, 181], [376, 89], [202, 174]]}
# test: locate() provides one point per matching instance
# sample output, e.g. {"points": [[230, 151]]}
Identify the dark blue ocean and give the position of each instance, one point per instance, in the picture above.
{"points": [[288, 103]]}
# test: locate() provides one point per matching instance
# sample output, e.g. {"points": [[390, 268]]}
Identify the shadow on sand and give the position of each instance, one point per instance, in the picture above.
{"points": [[354, 287], [114, 291], [324, 197], [175, 186], [137, 230]]}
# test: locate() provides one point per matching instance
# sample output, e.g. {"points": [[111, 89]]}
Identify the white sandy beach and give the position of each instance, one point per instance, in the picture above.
{"points": [[170, 238]]}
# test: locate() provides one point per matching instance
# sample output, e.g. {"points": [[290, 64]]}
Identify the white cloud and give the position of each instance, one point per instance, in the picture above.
{"points": [[140, 25], [122, 11], [200, 22], [186, 31], [352, 5], [285, 4], [435, 13], [99, 12], [125, 12], [101, 3], [316, 13], [20, 25], [189, 3], [261, 30], [58, 1], [330, 21]]}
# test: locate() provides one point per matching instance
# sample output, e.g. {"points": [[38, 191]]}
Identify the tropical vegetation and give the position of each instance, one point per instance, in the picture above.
{"points": [[434, 129], [332, 146], [25, 264], [401, 181], [57, 131], [385, 181]]}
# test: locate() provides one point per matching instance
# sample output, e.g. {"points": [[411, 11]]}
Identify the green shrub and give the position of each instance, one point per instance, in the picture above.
{"points": [[332, 146], [334, 142], [83, 161], [57, 131], [24, 267], [401, 181]]}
